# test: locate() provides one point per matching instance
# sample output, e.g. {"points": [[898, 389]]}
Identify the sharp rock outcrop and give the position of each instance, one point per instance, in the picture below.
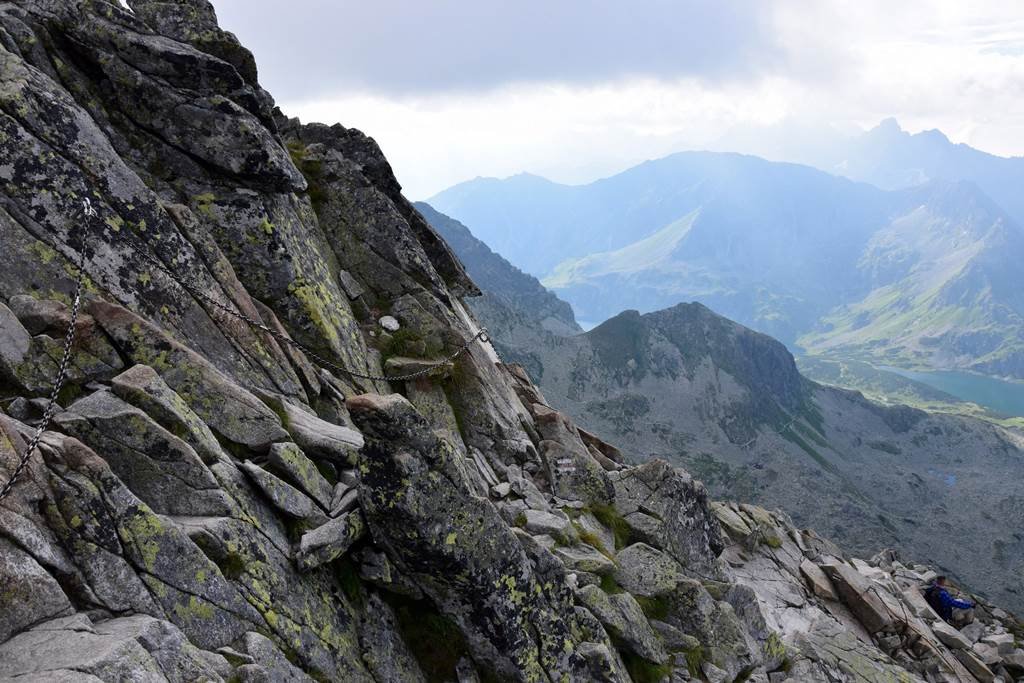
{"points": [[211, 503]]}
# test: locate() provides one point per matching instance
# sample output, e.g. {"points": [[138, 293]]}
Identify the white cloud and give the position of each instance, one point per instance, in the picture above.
{"points": [[940, 64]]}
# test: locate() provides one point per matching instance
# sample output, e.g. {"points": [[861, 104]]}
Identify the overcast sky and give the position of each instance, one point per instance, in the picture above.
{"points": [[574, 89]]}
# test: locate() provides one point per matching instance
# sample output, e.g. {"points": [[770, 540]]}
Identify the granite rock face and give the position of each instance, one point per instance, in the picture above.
{"points": [[211, 503]]}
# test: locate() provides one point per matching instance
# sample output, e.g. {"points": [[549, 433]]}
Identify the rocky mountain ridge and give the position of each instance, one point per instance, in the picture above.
{"points": [[211, 504], [730, 406], [919, 278]]}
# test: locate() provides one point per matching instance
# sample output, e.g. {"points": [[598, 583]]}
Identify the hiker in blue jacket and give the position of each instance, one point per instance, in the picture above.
{"points": [[942, 602]]}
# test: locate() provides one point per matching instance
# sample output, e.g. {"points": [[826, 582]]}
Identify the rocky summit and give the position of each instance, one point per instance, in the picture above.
{"points": [[211, 502]]}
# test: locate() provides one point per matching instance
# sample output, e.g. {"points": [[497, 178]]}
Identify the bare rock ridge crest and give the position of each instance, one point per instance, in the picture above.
{"points": [[210, 505]]}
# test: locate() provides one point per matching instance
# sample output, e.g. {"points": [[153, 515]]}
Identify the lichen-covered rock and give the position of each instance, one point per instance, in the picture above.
{"points": [[134, 648], [690, 529], [386, 654], [229, 410], [289, 459], [622, 615], [29, 594], [213, 512], [157, 466], [456, 546], [142, 387], [289, 500], [319, 438], [329, 541]]}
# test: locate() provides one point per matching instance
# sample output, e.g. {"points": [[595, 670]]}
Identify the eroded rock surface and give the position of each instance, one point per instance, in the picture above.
{"points": [[212, 503]]}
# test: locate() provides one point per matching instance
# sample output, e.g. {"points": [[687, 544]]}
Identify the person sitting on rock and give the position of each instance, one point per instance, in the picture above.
{"points": [[943, 603]]}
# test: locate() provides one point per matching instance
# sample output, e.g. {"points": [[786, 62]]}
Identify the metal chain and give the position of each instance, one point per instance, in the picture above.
{"points": [[192, 289], [62, 373], [69, 339]]}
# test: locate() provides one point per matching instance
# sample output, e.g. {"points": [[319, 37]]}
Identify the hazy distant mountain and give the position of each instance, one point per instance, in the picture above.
{"points": [[920, 277], [891, 158]]}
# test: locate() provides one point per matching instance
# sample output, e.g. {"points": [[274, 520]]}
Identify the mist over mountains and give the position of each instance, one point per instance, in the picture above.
{"points": [[730, 405], [923, 276]]}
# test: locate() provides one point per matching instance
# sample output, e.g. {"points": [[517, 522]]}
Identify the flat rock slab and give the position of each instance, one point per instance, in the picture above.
{"points": [[289, 459], [539, 522], [973, 663], [858, 593], [644, 570], [136, 648], [950, 637], [283, 495], [817, 580], [584, 558], [321, 439], [329, 541]]}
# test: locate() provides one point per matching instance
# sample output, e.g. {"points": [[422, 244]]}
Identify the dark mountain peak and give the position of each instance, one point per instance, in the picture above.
{"points": [[756, 361], [504, 285]]}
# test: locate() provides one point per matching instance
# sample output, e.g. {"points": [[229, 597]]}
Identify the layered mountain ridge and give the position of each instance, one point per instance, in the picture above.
{"points": [[213, 503], [918, 278], [730, 405]]}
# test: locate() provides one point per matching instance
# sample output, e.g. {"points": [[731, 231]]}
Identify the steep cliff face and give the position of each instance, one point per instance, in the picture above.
{"points": [[514, 303], [211, 503], [729, 405]]}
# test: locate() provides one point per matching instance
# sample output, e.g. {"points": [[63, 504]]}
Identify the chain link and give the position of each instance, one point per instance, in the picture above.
{"points": [[62, 372], [192, 289], [69, 338]]}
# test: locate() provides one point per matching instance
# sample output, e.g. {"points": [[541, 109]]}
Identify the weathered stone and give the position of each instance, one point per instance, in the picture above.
{"points": [[600, 536], [268, 656], [157, 466], [556, 525], [28, 594], [623, 617], [32, 364], [292, 463], [142, 387], [1003, 642], [319, 438], [584, 558], [344, 499], [975, 665], [973, 631], [501, 490], [136, 648], [386, 654], [860, 596], [376, 568], [227, 408], [284, 496], [691, 531], [731, 522], [330, 541], [647, 571], [817, 580], [950, 637], [15, 342], [456, 546]]}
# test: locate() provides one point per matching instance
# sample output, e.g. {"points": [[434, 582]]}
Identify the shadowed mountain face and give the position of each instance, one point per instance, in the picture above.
{"points": [[921, 277], [515, 303], [211, 502], [729, 404]]}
